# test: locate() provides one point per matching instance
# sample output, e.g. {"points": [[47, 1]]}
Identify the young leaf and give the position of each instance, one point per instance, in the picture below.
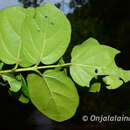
{"points": [[19, 96], [15, 85], [91, 59], [95, 87], [54, 94], [1, 65], [23, 99], [46, 35], [24, 87]]}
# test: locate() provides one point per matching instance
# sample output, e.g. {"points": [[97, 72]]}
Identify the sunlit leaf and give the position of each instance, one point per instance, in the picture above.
{"points": [[11, 20], [54, 94], [33, 35], [91, 59], [46, 35]]}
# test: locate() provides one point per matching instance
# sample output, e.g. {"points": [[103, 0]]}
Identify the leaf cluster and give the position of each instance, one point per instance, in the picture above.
{"points": [[33, 39]]}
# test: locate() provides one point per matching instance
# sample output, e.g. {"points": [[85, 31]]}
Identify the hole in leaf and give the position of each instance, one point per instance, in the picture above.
{"points": [[46, 17], [122, 59], [121, 79], [51, 23], [96, 71]]}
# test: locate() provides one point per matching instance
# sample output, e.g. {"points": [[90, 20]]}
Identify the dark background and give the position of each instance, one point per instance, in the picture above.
{"points": [[109, 22]]}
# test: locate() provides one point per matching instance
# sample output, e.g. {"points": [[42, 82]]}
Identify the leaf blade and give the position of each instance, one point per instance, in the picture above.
{"points": [[92, 60], [15, 85], [10, 40], [62, 95], [52, 39]]}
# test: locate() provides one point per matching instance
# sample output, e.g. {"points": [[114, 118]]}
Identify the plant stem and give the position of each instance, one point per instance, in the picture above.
{"points": [[34, 68]]}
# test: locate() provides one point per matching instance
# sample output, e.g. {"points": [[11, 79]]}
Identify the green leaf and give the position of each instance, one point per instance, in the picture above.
{"points": [[1, 65], [23, 99], [46, 35], [95, 87], [91, 59], [24, 87], [19, 96], [33, 35], [11, 20], [15, 85], [61, 61], [54, 94], [113, 82]]}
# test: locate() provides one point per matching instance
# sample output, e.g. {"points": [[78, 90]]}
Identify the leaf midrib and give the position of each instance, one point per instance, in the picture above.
{"points": [[46, 82], [44, 40]]}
